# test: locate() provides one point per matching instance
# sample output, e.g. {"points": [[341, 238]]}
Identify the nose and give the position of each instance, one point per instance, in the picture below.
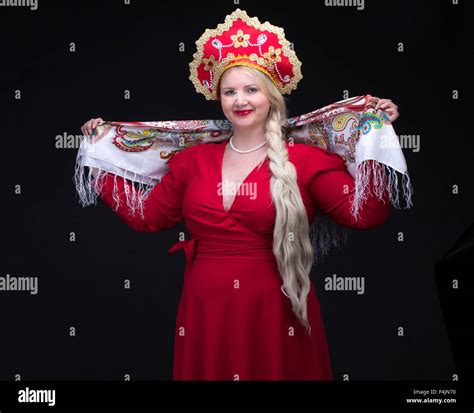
{"points": [[240, 100]]}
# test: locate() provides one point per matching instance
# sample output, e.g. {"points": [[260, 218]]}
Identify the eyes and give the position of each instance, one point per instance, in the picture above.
{"points": [[251, 90]]}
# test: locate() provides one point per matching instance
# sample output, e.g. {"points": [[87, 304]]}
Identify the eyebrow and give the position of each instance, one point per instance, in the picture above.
{"points": [[253, 84]]}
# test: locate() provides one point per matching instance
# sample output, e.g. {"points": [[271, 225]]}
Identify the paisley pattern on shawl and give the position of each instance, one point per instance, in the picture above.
{"points": [[140, 151]]}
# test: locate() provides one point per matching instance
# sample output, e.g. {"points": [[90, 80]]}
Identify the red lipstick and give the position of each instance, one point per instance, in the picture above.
{"points": [[242, 112]]}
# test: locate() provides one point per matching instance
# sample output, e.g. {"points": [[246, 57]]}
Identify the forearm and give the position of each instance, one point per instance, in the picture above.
{"points": [[373, 211], [158, 210], [113, 193], [334, 191]]}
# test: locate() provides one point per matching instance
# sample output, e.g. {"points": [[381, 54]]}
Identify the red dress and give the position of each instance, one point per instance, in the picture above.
{"points": [[233, 321]]}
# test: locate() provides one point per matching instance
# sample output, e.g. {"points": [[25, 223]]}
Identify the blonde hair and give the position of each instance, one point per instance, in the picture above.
{"points": [[292, 245]]}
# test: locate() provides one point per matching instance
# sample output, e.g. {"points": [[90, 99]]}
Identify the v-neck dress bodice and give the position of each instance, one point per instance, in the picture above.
{"points": [[235, 188], [233, 321]]}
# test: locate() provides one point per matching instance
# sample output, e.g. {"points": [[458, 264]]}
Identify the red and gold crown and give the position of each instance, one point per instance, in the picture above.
{"points": [[242, 40]]}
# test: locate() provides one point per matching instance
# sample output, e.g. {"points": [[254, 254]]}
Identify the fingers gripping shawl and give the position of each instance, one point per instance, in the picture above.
{"points": [[140, 152]]}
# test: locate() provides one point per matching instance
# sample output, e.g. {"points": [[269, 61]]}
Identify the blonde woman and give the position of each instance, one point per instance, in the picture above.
{"points": [[248, 309]]}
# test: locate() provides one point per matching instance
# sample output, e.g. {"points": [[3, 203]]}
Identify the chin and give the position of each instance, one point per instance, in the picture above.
{"points": [[246, 119], [246, 123]]}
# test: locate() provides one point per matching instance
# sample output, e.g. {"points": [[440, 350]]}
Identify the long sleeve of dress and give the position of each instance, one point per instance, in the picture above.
{"points": [[331, 187], [161, 209]]}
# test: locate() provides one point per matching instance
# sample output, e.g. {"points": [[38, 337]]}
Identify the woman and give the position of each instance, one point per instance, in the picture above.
{"points": [[248, 310]]}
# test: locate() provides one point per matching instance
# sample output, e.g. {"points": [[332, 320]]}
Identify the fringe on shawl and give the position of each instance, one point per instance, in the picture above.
{"points": [[325, 232], [88, 188]]}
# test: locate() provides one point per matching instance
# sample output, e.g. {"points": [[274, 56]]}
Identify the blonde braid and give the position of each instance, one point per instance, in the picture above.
{"points": [[291, 242]]}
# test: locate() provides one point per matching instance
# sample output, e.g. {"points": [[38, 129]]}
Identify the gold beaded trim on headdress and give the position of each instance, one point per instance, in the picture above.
{"points": [[265, 64]]}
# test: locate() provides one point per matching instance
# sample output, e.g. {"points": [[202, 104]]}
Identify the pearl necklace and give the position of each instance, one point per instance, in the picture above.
{"points": [[247, 150]]}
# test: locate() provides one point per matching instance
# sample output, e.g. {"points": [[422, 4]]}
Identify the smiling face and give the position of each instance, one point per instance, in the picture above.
{"points": [[240, 91]]}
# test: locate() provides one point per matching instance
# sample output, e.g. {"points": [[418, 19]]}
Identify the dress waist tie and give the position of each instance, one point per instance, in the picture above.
{"points": [[189, 247], [219, 249]]}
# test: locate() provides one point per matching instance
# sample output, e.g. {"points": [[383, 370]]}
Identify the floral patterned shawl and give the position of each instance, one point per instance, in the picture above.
{"points": [[139, 151]]}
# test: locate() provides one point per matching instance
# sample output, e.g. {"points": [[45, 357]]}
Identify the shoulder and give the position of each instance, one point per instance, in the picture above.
{"points": [[313, 160], [184, 155], [199, 149], [304, 149], [188, 158], [188, 151], [302, 152]]}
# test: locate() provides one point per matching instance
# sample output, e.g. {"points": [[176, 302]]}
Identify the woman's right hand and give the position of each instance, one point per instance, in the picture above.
{"points": [[90, 125]]}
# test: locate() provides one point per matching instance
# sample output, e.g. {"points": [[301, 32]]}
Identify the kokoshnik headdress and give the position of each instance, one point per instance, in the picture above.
{"points": [[244, 41], [140, 151]]}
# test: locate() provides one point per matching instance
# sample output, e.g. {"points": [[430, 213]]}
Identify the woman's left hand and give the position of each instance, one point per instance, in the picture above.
{"points": [[387, 106]]}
